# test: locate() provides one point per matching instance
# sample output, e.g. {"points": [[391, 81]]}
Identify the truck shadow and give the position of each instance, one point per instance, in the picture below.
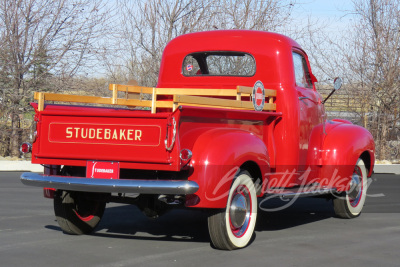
{"points": [[278, 214], [175, 225], [190, 225]]}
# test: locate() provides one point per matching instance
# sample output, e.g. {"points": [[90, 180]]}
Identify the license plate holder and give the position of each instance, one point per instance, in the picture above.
{"points": [[102, 169]]}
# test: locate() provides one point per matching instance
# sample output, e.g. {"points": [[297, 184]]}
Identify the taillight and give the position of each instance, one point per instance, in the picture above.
{"points": [[48, 192], [26, 148], [185, 154]]}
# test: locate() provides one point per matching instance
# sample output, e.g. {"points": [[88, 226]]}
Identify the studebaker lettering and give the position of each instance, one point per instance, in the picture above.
{"points": [[111, 134], [103, 133]]}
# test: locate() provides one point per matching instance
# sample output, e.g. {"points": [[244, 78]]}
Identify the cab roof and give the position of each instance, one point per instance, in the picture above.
{"points": [[267, 49]]}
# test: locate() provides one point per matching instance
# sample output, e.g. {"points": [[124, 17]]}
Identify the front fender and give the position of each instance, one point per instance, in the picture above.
{"points": [[342, 146], [217, 157]]}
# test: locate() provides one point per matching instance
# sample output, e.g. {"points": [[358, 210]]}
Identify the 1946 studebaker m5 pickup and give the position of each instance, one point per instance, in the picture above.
{"points": [[235, 118]]}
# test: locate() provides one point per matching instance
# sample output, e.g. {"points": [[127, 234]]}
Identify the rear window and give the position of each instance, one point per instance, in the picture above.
{"points": [[219, 64]]}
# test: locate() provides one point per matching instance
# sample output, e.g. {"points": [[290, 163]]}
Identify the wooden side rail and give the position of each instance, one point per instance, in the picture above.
{"points": [[217, 102], [270, 94], [131, 89], [181, 96], [42, 97]]}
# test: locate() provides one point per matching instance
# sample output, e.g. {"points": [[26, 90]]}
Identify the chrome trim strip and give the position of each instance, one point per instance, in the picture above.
{"points": [[173, 187]]}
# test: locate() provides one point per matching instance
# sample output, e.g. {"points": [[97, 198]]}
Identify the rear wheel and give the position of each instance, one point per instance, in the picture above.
{"points": [[350, 204], [233, 227], [78, 212]]}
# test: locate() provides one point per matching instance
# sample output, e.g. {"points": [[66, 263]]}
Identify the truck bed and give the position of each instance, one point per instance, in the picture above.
{"points": [[139, 138]]}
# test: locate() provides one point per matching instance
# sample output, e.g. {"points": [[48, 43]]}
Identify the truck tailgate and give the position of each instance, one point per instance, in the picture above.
{"points": [[87, 133]]}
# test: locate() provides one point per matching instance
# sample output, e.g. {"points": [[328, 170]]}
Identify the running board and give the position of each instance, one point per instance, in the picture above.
{"points": [[310, 191]]}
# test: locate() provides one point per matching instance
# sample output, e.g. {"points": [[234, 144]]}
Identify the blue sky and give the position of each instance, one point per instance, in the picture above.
{"points": [[325, 8], [332, 13]]}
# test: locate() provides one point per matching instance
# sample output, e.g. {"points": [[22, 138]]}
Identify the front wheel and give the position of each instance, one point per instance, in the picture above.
{"points": [[350, 204], [78, 213], [233, 227]]}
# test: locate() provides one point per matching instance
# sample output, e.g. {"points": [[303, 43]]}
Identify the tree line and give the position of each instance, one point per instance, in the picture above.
{"points": [[82, 45]]}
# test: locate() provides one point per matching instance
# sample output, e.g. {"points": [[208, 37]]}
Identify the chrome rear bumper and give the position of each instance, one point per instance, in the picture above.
{"points": [[168, 187]]}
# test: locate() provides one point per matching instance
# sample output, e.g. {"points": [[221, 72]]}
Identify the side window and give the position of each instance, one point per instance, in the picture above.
{"points": [[301, 71]]}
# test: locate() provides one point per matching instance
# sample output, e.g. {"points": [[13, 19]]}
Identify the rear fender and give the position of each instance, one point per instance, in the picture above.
{"points": [[218, 155]]}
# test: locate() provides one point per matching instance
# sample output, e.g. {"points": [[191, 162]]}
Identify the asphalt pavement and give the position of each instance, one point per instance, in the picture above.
{"points": [[305, 234]]}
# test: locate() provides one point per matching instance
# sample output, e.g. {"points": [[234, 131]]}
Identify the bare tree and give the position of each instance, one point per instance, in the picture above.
{"points": [[368, 57], [41, 39], [374, 68], [267, 15], [148, 25]]}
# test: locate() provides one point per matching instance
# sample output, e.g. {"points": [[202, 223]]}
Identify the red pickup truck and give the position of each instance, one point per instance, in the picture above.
{"points": [[235, 118]]}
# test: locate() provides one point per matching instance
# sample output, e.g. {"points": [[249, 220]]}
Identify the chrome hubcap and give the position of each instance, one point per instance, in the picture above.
{"points": [[240, 211]]}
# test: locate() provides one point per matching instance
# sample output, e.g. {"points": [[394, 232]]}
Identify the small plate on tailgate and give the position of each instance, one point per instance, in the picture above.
{"points": [[102, 169]]}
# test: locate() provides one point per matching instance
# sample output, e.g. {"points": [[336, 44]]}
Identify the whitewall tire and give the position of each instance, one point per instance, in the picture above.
{"points": [[233, 227], [350, 204]]}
